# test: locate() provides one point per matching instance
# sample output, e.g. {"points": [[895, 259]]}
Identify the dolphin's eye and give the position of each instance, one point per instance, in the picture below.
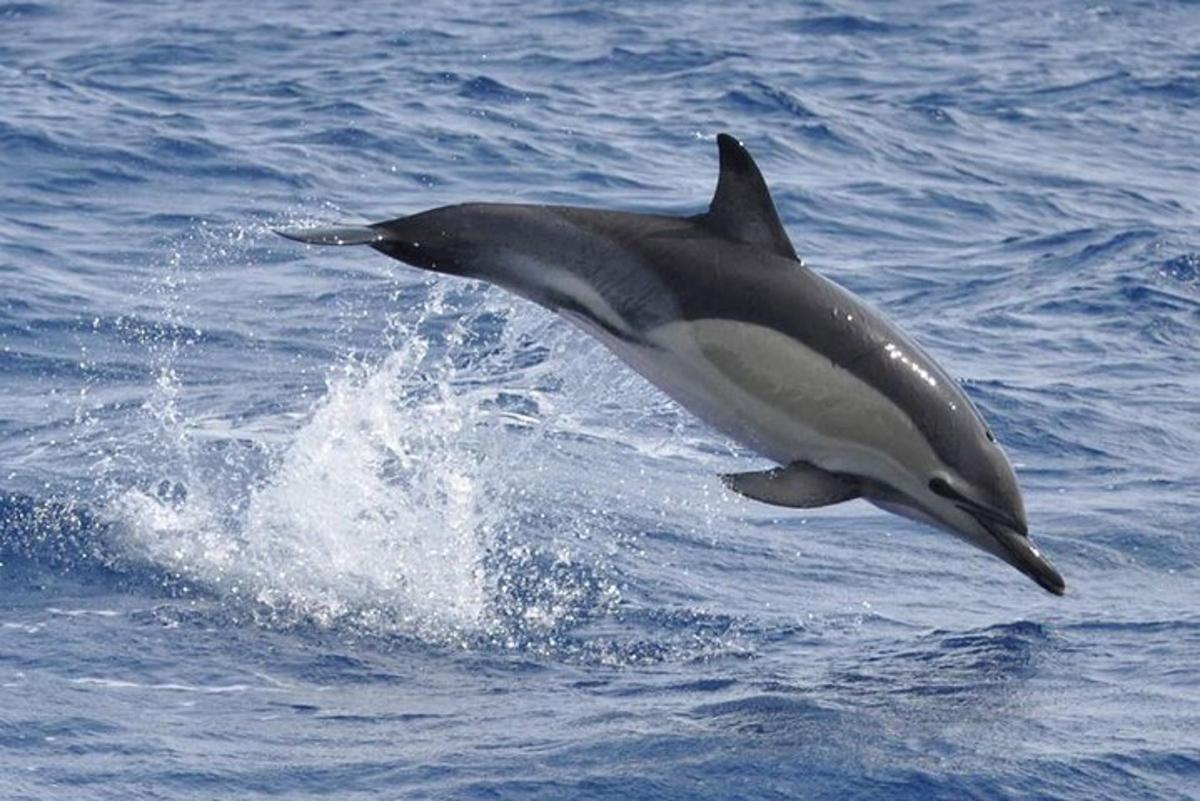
{"points": [[987, 432], [939, 487]]}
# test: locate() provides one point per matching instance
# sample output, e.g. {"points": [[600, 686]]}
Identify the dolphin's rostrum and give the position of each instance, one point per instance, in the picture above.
{"points": [[717, 311]]}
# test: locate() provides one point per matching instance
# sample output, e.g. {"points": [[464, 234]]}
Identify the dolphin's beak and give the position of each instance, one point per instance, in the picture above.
{"points": [[1021, 553]]}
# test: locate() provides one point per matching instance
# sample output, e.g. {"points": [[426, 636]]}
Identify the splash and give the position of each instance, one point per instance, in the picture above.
{"points": [[467, 483], [377, 508], [398, 504]]}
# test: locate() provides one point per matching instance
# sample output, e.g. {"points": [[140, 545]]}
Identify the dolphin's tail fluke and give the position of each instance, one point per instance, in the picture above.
{"points": [[336, 235]]}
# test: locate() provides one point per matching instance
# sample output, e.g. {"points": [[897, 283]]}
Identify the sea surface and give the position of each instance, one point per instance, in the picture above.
{"points": [[289, 522]]}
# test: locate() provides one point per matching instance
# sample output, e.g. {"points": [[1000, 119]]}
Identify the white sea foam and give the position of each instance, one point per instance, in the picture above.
{"points": [[391, 507], [374, 505]]}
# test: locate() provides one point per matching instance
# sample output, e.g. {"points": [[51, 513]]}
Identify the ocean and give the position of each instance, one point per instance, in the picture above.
{"points": [[294, 522]]}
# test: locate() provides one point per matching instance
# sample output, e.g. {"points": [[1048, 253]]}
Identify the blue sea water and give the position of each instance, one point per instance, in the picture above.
{"points": [[293, 522]]}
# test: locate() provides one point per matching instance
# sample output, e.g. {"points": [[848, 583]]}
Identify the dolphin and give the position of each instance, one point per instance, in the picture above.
{"points": [[719, 312]]}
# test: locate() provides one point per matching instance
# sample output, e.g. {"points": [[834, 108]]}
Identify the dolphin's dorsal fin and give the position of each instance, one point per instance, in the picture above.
{"points": [[741, 208]]}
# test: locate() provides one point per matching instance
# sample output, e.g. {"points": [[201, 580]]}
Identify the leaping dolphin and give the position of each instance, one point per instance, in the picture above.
{"points": [[718, 311]]}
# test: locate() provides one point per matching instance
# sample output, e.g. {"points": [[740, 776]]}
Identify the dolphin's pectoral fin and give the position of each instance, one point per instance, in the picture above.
{"points": [[799, 485], [336, 235], [741, 208]]}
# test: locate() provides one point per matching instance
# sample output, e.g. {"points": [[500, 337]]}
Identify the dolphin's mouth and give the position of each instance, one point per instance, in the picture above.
{"points": [[992, 517], [1020, 552], [984, 514]]}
